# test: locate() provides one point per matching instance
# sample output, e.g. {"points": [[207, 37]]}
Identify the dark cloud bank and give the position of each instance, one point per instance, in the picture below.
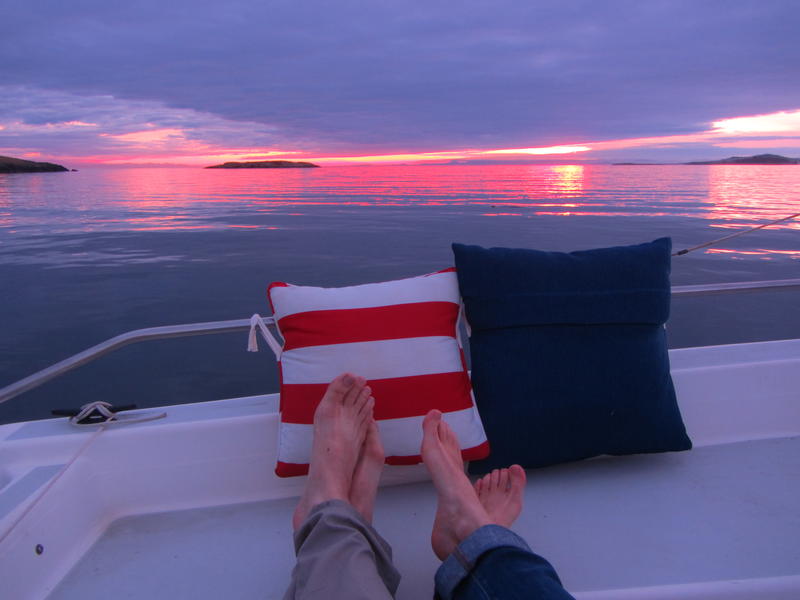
{"points": [[401, 76]]}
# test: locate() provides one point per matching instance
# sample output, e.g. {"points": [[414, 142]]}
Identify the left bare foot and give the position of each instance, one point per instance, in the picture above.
{"points": [[368, 473], [340, 426]]}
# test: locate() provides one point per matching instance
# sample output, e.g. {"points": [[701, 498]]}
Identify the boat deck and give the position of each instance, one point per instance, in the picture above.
{"points": [[188, 506], [606, 524]]}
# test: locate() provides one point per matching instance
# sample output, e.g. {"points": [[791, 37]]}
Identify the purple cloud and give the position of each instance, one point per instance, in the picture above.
{"points": [[356, 77]]}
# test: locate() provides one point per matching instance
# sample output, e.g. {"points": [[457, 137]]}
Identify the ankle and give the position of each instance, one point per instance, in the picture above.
{"points": [[468, 522]]}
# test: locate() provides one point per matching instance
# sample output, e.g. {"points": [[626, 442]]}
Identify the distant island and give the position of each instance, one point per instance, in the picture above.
{"points": [[758, 159], [17, 165], [266, 164]]}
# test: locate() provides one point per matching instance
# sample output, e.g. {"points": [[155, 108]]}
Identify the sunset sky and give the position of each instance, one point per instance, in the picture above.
{"points": [[198, 82]]}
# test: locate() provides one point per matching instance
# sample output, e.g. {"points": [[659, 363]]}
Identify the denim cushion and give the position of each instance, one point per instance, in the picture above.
{"points": [[569, 354]]}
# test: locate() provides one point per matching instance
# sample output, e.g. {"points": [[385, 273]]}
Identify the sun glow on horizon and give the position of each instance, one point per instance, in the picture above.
{"points": [[544, 150], [204, 143], [779, 123], [446, 155]]}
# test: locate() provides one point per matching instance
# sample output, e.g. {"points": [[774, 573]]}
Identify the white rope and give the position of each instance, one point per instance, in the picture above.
{"points": [[112, 418], [51, 483], [87, 409], [256, 322]]}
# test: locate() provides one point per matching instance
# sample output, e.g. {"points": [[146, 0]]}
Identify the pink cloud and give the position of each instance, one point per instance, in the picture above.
{"points": [[769, 143], [107, 130], [779, 123]]}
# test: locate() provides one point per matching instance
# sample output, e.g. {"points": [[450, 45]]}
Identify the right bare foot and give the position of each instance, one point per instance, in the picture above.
{"points": [[500, 493], [340, 426], [368, 473], [459, 511]]}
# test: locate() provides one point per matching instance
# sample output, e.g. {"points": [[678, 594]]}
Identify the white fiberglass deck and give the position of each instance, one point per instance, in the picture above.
{"points": [[188, 507], [605, 524]]}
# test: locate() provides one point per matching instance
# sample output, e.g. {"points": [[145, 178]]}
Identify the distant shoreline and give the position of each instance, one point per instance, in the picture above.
{"points": [[758, 159], [18, 165]]}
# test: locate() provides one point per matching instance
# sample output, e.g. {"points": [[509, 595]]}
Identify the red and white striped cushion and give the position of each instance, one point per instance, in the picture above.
{"points": [[401, 336]]}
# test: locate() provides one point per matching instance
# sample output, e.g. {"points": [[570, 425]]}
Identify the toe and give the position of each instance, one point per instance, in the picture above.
{"points": [[516, 476], [447, 434], [495, 479], [365, 412], [352, 394], [502, 483], [430, 424], [362, 399], [340, 386], [482, 487]]}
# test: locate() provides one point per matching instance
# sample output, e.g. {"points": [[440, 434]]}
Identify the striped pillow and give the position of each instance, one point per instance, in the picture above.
{"points": [[401, 336]]}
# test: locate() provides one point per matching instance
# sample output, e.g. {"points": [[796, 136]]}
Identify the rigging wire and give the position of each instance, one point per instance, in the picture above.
{"points": [[733, 235]]}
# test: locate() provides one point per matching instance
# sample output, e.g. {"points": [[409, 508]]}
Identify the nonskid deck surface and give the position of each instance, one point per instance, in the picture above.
{"points": [[715, 513]]}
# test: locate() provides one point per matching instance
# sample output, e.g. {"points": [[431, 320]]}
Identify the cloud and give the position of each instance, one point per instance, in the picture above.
{"points": [[770, 143], [780, 123], [104, 129], [548, 150], [107, 130], [347, 78]]}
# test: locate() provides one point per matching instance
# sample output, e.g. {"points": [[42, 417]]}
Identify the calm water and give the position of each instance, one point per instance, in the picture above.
{"points": [[85, 256]]}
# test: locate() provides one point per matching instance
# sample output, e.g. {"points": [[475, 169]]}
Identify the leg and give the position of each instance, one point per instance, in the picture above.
{"points": [[339, 554], [482, 559], [494, 562]]}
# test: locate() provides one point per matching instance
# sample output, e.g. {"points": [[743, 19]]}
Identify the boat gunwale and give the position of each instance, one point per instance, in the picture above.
{"points": [[240, 325]]}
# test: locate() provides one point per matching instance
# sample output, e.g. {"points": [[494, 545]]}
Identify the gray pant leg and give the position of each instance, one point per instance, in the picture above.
{"points": [[340, 555]]}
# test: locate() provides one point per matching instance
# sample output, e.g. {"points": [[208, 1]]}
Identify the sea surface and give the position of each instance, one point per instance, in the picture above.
{"points": [[88, 255]]}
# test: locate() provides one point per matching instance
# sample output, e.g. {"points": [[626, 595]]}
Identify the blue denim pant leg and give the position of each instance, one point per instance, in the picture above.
{"points": [[494, 562]]}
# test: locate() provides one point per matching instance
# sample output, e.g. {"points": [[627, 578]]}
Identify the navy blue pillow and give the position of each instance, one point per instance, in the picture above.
{"points": [[569, 354]]}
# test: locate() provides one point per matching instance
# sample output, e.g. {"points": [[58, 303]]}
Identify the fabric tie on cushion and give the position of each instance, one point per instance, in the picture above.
{"points": [[256, 322]]}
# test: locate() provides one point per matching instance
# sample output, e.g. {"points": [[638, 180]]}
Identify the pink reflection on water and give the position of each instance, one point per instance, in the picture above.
{"points": [[604, 214], [742, 196], [163, 199], [168, 227], [164, 190], [761, 252]]}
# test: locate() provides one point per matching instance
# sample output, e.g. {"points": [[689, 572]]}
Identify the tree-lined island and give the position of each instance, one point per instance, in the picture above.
{"points": [[18, 165], [758, 159], [266, 164]]}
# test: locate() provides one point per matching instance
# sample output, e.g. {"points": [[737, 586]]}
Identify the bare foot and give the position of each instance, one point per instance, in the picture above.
{"points": [[340, 426], [459, 511], [368, 473], [500, 493]]}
